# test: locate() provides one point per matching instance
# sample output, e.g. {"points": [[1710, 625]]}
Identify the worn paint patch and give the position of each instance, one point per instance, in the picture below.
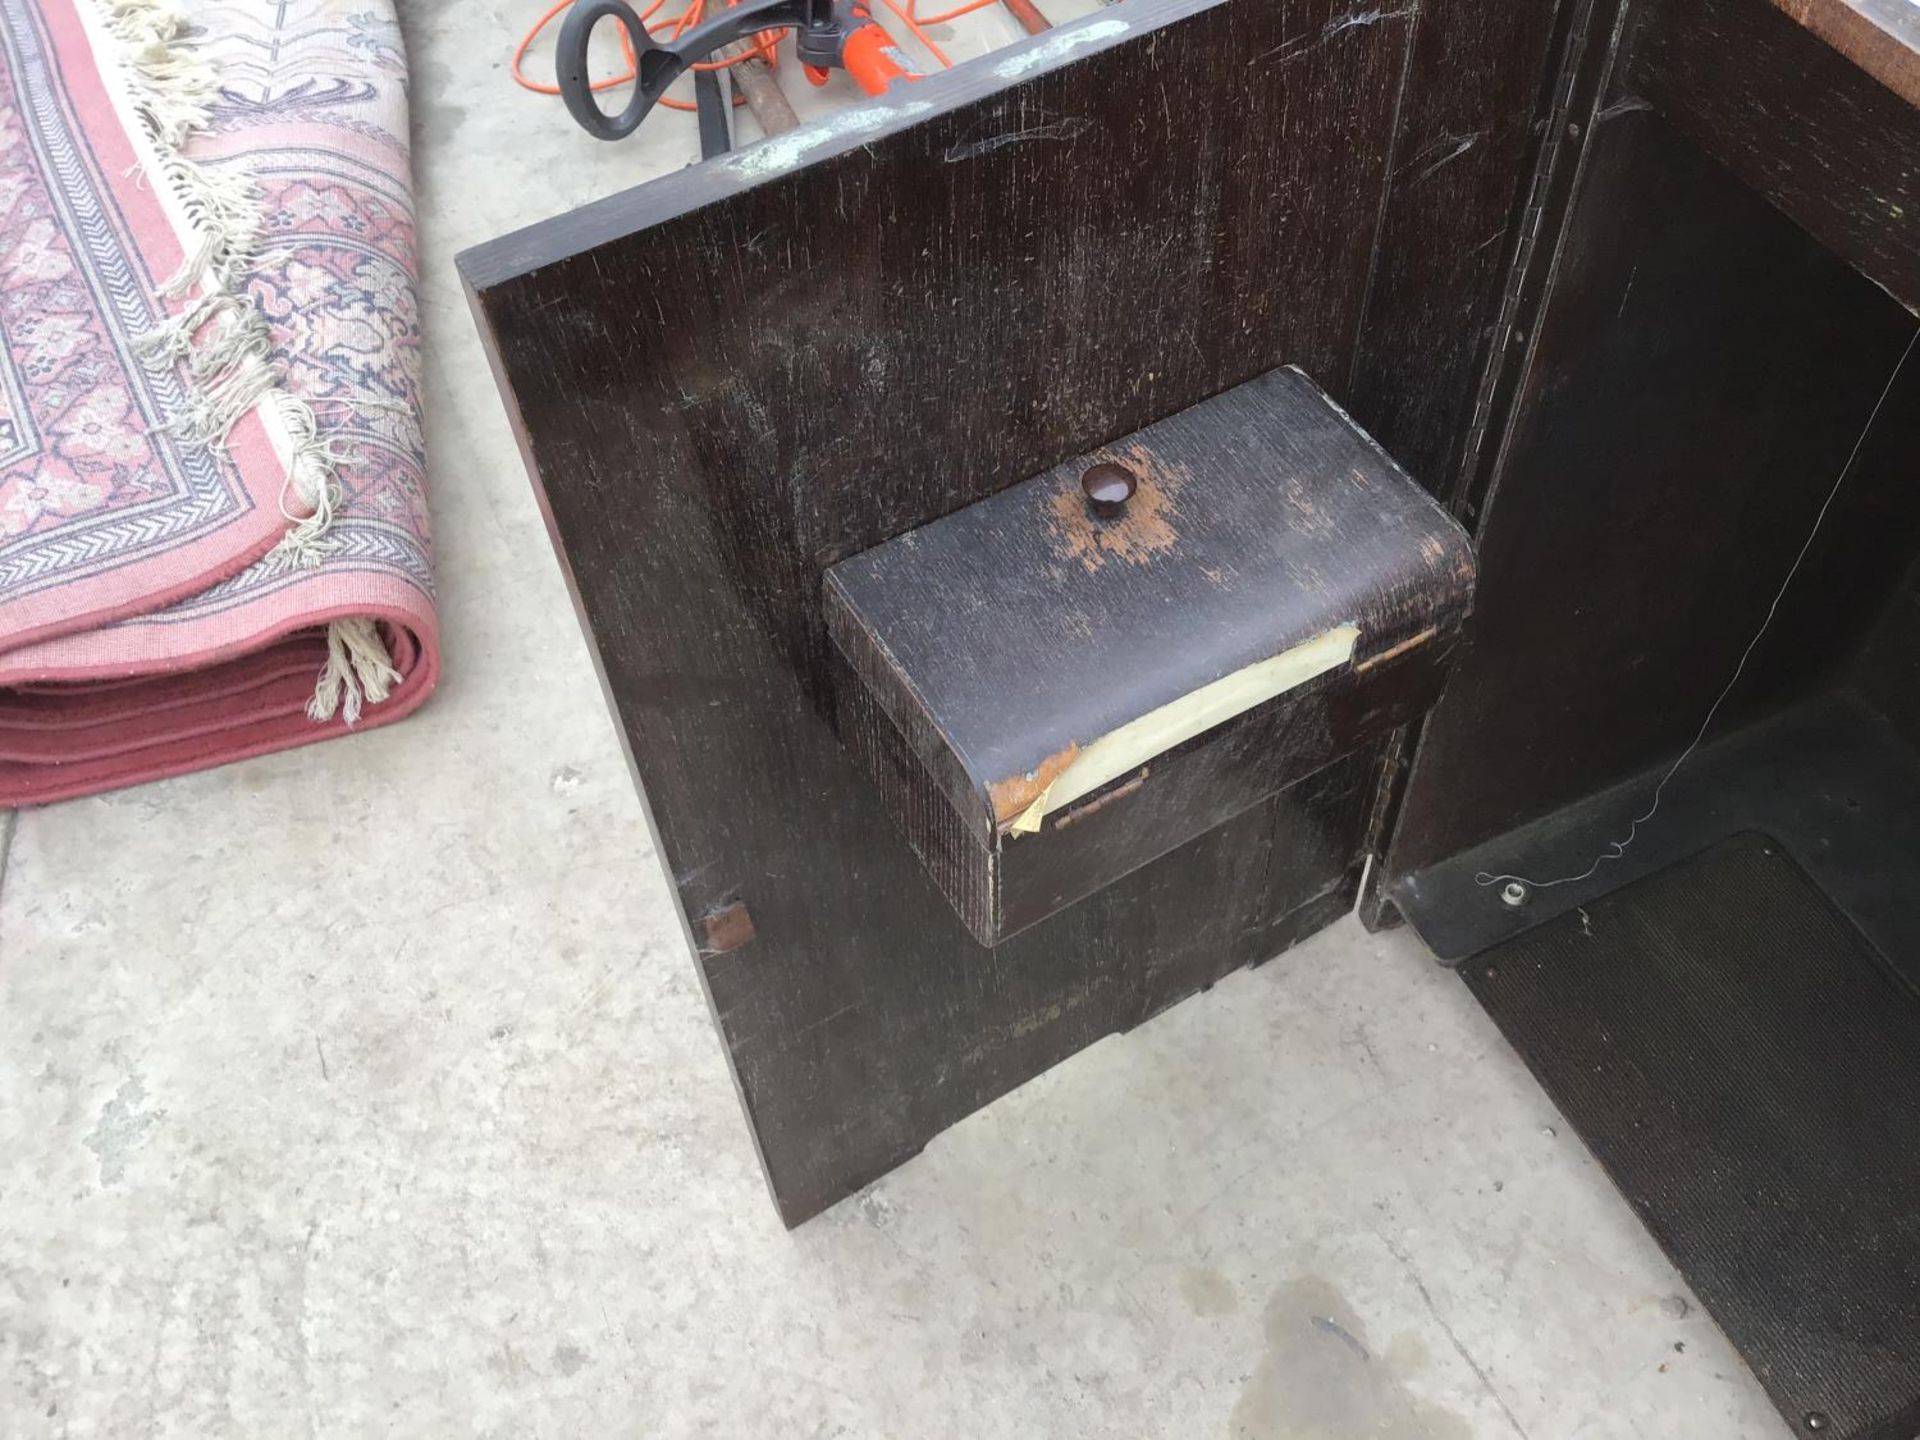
{"points": [[1323, 1379], [1063, 41], [1145, 530], [1017, 793], [783, 152], [727, 929], [1308, 513]]}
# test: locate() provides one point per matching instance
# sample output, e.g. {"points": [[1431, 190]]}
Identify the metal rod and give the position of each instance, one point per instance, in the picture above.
{"points": [[1028, 15], [757, 82]]}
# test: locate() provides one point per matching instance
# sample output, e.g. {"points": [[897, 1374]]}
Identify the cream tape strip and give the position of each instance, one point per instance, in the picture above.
{"points": [[1158, 731]]}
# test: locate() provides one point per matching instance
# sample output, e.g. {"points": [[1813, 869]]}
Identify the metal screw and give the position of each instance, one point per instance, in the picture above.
{"points": [[1108, 487], [1514, 894], [1817, 1420]]}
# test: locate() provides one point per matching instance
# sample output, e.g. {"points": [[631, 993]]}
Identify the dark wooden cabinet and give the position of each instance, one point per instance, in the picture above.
{"points": [[1626, 287], [739, 384]]}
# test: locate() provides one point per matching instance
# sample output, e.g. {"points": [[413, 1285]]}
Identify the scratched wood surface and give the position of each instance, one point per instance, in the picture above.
{"points": [[728, 380], [1477, 77], [1797, 120]]}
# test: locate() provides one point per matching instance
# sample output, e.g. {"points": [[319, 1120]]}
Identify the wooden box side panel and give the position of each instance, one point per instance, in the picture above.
{"points": [[965, 869]]}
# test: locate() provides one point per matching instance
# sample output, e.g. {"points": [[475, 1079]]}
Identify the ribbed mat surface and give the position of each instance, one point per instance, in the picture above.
{"points": [[1737, 1058]]}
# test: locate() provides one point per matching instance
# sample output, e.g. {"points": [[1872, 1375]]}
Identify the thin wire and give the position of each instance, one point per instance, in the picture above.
{"points": [[1616, 849]]}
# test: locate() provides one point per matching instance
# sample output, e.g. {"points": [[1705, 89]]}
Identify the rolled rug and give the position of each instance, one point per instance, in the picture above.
{"points": [[214, 538]]}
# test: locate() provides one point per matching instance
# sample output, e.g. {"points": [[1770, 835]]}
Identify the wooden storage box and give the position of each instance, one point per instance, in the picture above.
{"points": [[1048, 699]]}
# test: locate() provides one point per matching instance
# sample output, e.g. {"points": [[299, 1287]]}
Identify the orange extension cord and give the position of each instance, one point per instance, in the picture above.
{"points": [[763, 46]]}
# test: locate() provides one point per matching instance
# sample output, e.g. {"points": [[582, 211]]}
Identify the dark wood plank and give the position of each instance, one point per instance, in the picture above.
{"points": [[1882, 37], [1581, 52], [1798, 121], [730, 379], [1477, 74], [1888, 673]]}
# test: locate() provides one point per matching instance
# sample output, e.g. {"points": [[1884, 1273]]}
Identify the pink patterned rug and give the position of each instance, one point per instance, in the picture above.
{"points": [[213, 522]]}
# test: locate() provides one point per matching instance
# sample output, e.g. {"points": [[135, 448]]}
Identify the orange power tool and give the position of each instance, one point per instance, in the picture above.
{"points": [[827, 35]]}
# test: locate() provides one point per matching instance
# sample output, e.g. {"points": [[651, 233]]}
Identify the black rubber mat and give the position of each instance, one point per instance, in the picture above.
{"points": [[1748, 1072]]}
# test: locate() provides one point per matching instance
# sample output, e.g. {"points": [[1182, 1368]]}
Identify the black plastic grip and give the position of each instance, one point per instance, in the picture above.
{"points": [[657, 64], [576, 85]]}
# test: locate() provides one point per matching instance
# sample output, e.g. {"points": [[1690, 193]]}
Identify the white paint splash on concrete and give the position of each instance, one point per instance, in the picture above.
{"points": [[123, 1125]]}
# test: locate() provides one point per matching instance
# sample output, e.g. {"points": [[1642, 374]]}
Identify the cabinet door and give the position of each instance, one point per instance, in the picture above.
{"points": [[728, 381]]}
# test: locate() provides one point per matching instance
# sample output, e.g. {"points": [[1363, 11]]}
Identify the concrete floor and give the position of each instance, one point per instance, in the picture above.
{"points": [[367, 1090]]}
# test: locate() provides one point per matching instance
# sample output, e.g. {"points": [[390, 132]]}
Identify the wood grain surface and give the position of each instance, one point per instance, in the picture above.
{"points": [[1882, 37], [728, 380], [1796, 119]]}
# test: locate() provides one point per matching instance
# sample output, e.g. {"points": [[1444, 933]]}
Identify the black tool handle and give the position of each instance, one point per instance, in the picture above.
{"points": [[713, 99], [658, 63]]}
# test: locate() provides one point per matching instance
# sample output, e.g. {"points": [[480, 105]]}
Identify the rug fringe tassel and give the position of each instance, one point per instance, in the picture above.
{"points": [[358, 671], [221, 337]]}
